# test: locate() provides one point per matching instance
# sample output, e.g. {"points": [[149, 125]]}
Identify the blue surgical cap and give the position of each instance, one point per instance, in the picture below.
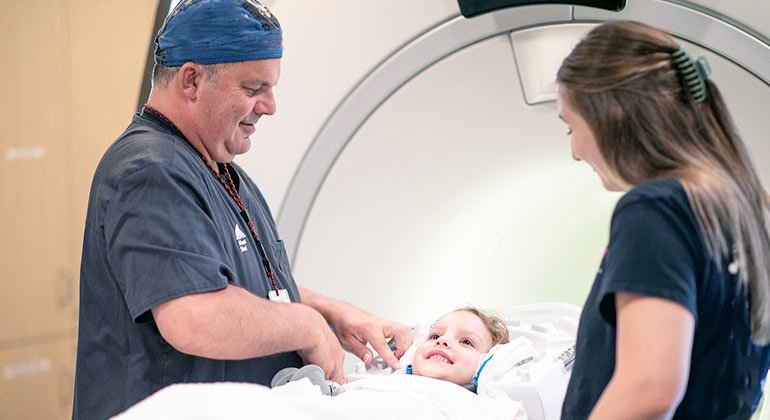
{"points": [[218, 31]]}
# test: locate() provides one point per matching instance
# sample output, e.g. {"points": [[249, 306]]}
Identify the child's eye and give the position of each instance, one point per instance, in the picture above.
{"points": [[467, 342], [433, 337]]}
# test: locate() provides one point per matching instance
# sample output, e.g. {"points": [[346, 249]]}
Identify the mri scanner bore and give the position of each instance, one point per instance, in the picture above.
{"points": [[442, 154]]}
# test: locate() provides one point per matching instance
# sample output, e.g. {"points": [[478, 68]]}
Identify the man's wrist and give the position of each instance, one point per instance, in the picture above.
{"points": [[326, 306]]}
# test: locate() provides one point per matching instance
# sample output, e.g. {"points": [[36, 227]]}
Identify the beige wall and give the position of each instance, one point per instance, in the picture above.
{"points": [[71, 73]]}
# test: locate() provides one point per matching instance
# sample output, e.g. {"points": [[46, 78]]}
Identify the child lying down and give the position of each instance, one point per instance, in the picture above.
{"points": [[439, 383], [456, 343]]}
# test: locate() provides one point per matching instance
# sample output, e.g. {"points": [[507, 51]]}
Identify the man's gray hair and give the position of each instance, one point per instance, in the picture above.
{"points": [[162, 75]]}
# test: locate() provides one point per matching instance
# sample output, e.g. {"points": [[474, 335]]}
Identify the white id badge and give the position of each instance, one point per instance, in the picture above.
{"points": [[281, 296]]}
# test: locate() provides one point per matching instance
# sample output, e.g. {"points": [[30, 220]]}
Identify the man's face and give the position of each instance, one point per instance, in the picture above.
{"points": [[228, 107], [453, 348]]}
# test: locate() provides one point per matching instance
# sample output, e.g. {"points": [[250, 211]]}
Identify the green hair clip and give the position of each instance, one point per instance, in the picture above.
{"points": [[693, 72]]}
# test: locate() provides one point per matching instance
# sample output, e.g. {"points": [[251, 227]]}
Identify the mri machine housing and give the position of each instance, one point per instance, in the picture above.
{"points": [[421, 164], [416, 161]]}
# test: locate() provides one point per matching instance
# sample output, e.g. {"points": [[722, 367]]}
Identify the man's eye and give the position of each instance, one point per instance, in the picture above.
{"points": [[250, 91]]}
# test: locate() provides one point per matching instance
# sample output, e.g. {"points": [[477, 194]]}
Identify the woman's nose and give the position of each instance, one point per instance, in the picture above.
{"points": [[574, 156]]}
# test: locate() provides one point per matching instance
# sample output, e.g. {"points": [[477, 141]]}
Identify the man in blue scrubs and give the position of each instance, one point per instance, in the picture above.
{"points": [[184, 277]]}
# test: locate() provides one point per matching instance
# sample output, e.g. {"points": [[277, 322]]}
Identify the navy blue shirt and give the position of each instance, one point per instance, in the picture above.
{"points": [[656, 249], [161, 226]]}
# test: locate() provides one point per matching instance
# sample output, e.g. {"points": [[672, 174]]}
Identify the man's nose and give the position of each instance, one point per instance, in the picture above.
{"points": [[266, 104]]}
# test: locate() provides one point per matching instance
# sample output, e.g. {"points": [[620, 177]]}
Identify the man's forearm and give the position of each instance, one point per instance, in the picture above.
{"points": [[232, 323]]}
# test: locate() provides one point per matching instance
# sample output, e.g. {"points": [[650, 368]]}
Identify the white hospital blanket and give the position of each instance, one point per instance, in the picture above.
{"points": [[379, 397]]}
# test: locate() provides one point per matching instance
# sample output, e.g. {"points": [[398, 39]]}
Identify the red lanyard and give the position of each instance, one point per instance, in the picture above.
{"points": [[233, 193]]}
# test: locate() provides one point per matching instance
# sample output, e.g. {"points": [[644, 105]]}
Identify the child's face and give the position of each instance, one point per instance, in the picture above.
{"points": [[453, 347]]}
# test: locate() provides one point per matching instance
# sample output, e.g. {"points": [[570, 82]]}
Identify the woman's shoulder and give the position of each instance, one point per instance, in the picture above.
{"points": [[665, 191]]}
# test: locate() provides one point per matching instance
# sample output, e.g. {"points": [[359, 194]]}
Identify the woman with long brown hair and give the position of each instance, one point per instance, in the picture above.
{"points": [[678, 319]]}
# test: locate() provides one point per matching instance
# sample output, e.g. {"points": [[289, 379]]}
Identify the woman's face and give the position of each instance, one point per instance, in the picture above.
{"points": [[583, 141], [453, 348]]}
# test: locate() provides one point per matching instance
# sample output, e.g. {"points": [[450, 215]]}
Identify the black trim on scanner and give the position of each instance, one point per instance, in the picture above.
{"points": [[471, 8]]}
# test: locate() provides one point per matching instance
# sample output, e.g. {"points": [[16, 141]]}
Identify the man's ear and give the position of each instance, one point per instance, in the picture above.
{"points": [[188, 80]]}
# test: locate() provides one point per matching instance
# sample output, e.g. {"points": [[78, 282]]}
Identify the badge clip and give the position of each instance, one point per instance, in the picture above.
{"points": [[281, 296]]}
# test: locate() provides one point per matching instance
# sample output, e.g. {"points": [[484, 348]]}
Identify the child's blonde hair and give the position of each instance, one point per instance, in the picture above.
{"points": [[495, 325]]}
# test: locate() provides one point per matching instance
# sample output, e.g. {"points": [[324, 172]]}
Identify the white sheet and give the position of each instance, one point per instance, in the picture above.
{"points": [[380, 397]]}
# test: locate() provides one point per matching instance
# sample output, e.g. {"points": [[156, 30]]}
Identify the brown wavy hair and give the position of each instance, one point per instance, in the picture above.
{"points": [[495, 325], [621, 79]]}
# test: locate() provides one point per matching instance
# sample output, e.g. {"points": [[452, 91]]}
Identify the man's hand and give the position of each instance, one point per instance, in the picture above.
{"points": [[355, 327], [327, 354]]}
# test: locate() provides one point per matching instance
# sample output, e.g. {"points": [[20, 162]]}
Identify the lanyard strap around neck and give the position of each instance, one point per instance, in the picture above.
{"points": [[232, 191]]}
